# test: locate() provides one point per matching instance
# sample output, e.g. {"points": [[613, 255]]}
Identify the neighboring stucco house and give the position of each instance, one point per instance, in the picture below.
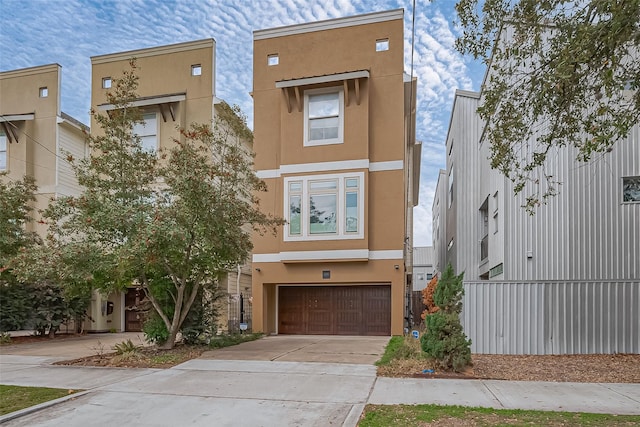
{"points": [[176, 89], [36, 137], [335, 144]]}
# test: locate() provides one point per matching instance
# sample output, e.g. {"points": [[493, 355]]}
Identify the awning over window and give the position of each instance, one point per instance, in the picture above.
{"points": [[294, 85], [9, 129], [165, 103]]}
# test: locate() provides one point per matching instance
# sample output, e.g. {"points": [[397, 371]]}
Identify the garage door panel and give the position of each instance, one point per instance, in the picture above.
{"points": [[335, 310]]}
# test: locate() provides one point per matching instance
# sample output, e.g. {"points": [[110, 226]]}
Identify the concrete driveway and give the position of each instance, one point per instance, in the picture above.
{"points": [[306, 348]]}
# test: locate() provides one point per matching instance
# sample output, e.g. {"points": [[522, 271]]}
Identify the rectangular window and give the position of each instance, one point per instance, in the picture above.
{"points": [[451, 186], [324, 207], [196, 70], [382, 45], [273, 59], [324, 116], [631, 189], [106, 83], [147, 131], [3, 151], [44, 92]]}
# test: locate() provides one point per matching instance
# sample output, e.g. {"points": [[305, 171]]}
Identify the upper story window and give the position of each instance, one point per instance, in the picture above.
{"points": [[382, 45], [451, 186], [106, 83], [3, 151], [196, 70], [323, 116], [631, 189], [273, 59], [324, 207], [148, 132], [43, 92]]}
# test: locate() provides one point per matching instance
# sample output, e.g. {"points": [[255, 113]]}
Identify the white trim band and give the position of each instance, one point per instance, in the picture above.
{"points": [[331, 166], [328, 255]]}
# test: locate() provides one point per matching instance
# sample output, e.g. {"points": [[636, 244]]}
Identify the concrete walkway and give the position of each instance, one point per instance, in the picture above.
{"points": [[274, 393]]}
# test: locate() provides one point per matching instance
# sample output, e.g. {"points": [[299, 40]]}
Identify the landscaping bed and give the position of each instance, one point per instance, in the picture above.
{"points": [[403, 358]]}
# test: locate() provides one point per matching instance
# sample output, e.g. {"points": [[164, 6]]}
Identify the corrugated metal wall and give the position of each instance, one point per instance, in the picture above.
{"points": [[552, 317], [586, 232]]}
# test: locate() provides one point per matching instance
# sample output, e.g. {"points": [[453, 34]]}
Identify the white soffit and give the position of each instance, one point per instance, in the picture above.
{"points": [[152, 100], [17, 117], [323, 79]]}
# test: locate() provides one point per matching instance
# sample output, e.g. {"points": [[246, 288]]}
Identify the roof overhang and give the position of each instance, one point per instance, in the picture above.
{"points": [[323, 79], [9, 128], [16, 117], [164, 102], [345, 78]]}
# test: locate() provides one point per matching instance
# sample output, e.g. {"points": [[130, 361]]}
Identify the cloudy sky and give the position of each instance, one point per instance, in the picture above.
{"points": [[69, 32]]}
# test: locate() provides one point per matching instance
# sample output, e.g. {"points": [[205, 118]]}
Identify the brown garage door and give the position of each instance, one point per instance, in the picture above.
{"points": [[334, 310]]}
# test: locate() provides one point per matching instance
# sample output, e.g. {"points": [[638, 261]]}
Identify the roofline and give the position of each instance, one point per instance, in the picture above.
{"points": [[329, 24], [65, 118], [30, 70], [460, 93], [154, 51]]}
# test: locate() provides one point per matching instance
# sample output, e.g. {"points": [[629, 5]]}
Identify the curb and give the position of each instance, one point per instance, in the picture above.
{"points": [[31, 409]]}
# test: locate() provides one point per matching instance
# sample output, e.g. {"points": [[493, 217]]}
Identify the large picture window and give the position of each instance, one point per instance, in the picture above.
{"points": [[324, 207], [323, 116]]}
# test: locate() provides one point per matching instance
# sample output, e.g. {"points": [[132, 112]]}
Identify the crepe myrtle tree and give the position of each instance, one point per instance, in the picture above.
{"points": [[181, 215], [562, 73]]}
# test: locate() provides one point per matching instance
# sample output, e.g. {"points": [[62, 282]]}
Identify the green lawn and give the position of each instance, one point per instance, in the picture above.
{"points": [[418, 415], [14, 398]]}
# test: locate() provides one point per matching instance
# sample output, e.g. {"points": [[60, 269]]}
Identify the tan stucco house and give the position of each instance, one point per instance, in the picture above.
{"points": [[335, 143], [176, 89], [36, 137]]}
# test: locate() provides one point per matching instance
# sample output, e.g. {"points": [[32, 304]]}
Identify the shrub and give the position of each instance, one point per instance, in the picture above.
{"points": [[155, 331], [16, 303], [125, 347], [444, 339]]}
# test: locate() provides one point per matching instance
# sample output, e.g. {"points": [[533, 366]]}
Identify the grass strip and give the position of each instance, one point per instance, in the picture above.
{"points": [[13, 398], [412, 415]]}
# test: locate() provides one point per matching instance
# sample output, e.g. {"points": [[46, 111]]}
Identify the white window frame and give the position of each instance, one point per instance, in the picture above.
{"points": [[196, 70], [382, 45], [624, 178], [450, 192], [143, 126], [273, 59], [341, 207], [314, 142], [106, 83], [4, 151]]}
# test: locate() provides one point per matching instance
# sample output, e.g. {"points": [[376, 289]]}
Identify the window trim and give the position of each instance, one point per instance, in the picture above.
{"points": [[626, 202], [341, 233], [106, 82], [315, 142], [157, 130], [196, 70], [5, 151]]}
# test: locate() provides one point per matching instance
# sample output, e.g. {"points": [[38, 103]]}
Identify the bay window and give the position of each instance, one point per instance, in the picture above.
{"points": [[324, 207]]}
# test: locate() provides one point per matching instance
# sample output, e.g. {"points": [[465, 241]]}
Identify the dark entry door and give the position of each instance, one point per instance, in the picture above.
{"points": [[133, 313], [334, 310]]}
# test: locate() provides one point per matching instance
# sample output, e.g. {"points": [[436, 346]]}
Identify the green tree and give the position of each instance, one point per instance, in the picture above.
{"points": [[444, 340], [562, 73], [15, 199], [171, 222]]}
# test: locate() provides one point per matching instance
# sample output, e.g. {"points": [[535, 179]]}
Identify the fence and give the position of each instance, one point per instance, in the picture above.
{"points": [[240, 311], [552, 317]]}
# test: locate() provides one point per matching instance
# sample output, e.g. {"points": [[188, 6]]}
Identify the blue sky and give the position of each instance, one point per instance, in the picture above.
{"points": [[69, 32]]}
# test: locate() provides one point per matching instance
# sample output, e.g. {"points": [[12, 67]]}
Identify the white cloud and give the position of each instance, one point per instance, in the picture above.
{"points": [[70, 32]]}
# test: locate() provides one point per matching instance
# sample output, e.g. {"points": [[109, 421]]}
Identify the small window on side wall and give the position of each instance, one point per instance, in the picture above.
{"points": [[382, 45], [631, 189], [196, 70], [273, 59], [106, 83], [43, 92]]}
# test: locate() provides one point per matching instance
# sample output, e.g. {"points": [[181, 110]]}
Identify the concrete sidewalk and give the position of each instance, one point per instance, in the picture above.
{"points": [[272, 391]]}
